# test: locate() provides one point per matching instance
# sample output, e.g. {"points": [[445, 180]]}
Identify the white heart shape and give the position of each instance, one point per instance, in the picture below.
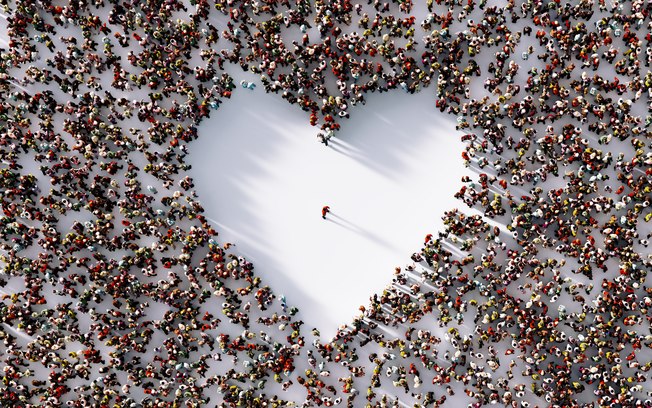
{"points": [[263, 178]]}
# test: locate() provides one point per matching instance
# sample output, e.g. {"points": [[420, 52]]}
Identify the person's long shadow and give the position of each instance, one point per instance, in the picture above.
{"points": [[344, 223]]}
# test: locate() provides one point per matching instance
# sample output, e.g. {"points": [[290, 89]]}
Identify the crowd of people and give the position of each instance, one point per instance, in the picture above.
{"points": [[118, 292]]}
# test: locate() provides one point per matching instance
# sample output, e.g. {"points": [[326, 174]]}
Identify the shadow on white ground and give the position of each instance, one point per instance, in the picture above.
{"points": [[263, 178]]}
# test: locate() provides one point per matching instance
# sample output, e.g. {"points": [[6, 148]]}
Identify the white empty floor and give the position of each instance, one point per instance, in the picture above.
{"points": [[263, 178]]}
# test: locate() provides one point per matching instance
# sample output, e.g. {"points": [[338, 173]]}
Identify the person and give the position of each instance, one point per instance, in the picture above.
{"points": [[325, 211]]}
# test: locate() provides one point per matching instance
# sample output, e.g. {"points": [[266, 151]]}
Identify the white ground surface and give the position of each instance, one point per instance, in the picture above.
{"points": [[263, 178]]}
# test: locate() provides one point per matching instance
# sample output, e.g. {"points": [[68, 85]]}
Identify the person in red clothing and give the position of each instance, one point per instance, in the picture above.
{"points": [[325, 211]]}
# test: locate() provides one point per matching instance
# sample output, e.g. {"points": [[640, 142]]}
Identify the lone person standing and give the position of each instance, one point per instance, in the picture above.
{"points": [[325, 211]]}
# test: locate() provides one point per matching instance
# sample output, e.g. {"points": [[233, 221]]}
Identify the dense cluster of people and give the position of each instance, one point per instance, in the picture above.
{"points": [[112, 279]]}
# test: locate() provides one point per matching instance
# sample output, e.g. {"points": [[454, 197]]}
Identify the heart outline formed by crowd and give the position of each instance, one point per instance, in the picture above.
{"points": [[116, 290]]}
